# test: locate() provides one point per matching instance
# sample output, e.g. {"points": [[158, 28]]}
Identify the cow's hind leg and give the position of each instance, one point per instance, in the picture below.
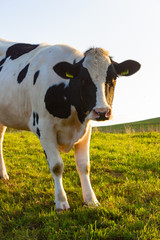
{"points": [[3, 171]]}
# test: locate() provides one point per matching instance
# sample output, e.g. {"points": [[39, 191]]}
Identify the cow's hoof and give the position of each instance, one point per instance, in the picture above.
{"points": [[62, 206], [4, 176], [59, 210], [91, 204]]}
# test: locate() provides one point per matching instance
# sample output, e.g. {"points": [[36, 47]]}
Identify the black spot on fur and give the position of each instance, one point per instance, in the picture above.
{"points": [[57, 102], [17, 50], [34, 115], [2, 61], [35, 77], [38, 132], [37, 118], [22, 74]]}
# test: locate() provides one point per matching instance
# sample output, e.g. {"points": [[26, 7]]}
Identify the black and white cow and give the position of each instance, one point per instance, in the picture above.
{"points": [[54, 91]]}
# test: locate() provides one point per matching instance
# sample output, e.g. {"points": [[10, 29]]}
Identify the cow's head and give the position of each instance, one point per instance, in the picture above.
{"points": [[96, 75]]}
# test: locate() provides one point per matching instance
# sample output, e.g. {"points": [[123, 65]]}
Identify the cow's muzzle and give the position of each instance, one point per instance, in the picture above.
{"points": [[102, 114]]}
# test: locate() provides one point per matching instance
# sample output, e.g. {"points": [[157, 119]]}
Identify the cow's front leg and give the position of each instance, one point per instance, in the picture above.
{"points": [[49, 143], [83, 167], [56, 166]]}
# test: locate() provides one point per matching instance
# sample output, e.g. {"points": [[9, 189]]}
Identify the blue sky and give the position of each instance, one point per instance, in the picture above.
{"points": [[128, 29]]}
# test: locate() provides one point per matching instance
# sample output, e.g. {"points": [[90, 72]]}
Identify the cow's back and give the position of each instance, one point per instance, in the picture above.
{"points": [[20, 90], [4, 45]]}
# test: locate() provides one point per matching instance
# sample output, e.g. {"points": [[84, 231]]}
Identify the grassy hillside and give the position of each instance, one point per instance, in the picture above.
{"points": [[125, 174], [140, 126]]}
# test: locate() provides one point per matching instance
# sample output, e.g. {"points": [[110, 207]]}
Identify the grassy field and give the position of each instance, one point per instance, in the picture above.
{"points": [[125, 174], [149, 125]]}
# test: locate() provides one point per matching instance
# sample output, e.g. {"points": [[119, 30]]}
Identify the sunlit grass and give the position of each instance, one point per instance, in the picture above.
{"points": [[125, 175]]}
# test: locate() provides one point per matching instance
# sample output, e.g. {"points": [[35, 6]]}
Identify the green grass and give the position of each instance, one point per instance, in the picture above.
{"points": [[148, 125], [125, 175]]}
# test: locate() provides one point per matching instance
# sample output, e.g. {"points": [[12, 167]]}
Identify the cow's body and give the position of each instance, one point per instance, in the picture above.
{"points": [[43, 90], [18, 104]]}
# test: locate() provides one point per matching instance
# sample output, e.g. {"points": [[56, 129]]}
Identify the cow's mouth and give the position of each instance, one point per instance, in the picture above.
{"points": [[102, 114]]}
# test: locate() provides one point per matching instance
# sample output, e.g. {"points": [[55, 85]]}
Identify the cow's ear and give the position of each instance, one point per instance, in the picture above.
{"points": [[66, 70], [127, 68]]}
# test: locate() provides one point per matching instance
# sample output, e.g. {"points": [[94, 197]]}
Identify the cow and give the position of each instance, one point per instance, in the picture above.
{"points": [[55, 91]]}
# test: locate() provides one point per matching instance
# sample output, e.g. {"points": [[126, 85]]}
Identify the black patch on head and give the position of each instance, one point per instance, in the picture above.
{"points": [[1, 68], [88, 90], [35, 77], [34, 115], [38, 132], [22, 74], [80, 93], [111, 73], [17, 50], [110, 84]]}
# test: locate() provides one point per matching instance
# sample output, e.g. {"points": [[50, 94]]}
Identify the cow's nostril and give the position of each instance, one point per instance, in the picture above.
{"points": [[101, 114], [108, 113]]}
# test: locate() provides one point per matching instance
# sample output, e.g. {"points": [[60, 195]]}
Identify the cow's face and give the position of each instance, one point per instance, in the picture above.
{"points": [[97, 62], [95, 75]]}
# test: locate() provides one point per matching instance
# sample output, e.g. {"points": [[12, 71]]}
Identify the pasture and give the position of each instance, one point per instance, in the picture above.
{"points": [[125, 175], [148, 125]]}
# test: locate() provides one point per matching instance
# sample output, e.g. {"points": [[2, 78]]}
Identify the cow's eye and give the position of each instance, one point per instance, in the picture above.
{"points": [[111, 81], [111, 74]]}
